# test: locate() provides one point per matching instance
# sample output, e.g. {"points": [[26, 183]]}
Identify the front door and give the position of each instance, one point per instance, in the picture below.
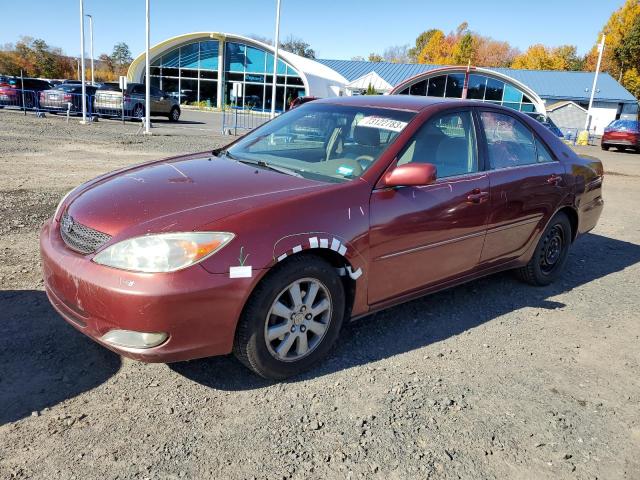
{"points": [[527, 185], [422, 236]]}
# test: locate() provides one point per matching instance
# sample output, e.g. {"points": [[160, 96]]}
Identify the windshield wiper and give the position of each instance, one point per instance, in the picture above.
{"points": [[270, 166]]}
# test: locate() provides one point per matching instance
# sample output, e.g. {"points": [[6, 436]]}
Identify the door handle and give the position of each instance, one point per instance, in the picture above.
{"points": [[477, 196], [554, 180]]}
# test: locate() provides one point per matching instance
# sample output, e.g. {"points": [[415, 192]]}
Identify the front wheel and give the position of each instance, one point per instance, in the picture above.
{"points": [[550, 255], [292, 318], [174, 115]]}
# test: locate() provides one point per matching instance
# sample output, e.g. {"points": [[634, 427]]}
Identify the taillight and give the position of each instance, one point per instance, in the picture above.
{"points": [[67, 97]]}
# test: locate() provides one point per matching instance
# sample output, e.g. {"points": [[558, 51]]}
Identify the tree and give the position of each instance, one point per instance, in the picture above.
{"points": [[539, 57], [298, 46], [494, 53], [121, 57], [464, 50], [628, 52], [375, 57], [631, 81], [617, 27], [438, 50], [371, 90], [421, 42], [357, 58], [397, 54]]}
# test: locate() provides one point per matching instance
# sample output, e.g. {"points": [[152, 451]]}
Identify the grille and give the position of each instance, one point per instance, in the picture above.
{"points": [[79, 237]]}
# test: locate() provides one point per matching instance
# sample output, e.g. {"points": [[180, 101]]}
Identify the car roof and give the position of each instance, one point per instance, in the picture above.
{"points": [[413, 103]]}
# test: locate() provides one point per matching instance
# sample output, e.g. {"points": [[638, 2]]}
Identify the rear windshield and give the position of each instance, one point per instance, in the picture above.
{"points": [[624, 125], [325, 142]]}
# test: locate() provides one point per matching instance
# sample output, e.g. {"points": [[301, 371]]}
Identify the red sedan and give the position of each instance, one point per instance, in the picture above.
{"points": [[330, 212], [622, 135]]}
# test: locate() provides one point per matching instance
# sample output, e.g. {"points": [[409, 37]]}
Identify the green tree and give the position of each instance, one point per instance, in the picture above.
{"points": [[121, 56], [375, 57], [465, 50], [421, 42], [298, 46], [627, 54], [371, 90]]}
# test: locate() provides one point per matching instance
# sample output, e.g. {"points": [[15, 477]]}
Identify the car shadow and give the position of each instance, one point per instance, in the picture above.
{"points": [[433, 318], [164, 122], [44, 361]]}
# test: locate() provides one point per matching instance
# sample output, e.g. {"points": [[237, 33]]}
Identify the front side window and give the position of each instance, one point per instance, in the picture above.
{"points": [[324, 142], [447, 141], [510, 143]]}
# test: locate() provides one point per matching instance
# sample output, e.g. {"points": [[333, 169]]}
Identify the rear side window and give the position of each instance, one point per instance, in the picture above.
{"points": [[447, 141], [510, 143], [138, 90]]}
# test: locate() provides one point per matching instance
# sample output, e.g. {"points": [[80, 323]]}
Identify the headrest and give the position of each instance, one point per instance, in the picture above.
{"points": [[367, 136]]}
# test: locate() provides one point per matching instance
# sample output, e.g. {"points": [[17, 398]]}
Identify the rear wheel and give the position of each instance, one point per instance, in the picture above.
{"points": [[605, 147], [138, 111], [292, 318], [550, 255], [174, 115]]}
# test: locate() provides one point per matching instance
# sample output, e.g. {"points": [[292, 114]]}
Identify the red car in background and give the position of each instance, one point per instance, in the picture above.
{"points": [[622, 135], [330, 212], [296, 102]]}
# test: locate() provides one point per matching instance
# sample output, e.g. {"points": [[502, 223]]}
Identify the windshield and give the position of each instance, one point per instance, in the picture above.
{"points": [[324, 142]]}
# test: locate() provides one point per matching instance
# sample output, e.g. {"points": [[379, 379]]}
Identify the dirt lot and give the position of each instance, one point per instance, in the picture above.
{"points": [[494, 379]]}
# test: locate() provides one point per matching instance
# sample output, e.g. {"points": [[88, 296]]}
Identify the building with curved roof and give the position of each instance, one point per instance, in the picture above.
{"points": [[217, 69]]}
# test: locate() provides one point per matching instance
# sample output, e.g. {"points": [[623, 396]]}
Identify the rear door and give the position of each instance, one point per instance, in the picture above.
{"points": [[527, 185], [423, 236], [159, 102]]}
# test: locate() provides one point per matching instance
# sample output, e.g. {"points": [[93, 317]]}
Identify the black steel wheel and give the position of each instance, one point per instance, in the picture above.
{"points": [[551, 253]]}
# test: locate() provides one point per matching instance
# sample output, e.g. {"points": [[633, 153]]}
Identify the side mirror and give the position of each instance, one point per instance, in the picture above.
{"points": [[411, 175]]}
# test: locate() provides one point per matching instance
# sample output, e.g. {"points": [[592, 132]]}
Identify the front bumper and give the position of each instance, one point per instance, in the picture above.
{"points": [[198, 310]]}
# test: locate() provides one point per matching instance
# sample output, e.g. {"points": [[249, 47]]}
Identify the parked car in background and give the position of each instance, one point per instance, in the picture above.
{"points": [[108, 102], [67, 96], [296, 102], [22, 92], [622, 135], [184, 96], [547, 122], [266, 247]]}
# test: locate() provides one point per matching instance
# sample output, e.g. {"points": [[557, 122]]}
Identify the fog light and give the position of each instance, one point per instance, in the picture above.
{"points": [[131, 339]]}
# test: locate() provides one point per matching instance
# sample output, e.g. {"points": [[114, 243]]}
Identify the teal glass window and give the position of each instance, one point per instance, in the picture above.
{"points": [[282, 67], [209, 55], [255, 60], [235, 60], [512, 94], [189, 56], [171, 59]]}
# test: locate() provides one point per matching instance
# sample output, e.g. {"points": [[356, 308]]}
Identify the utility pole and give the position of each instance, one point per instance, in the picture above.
{"points": [[595, 82], [93, 80], [275, 61], [147, 89], [84, 88]]}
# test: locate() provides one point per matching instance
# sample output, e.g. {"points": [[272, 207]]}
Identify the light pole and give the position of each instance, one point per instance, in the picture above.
{"points": [[84, 88], [93, 80], [595, 83], [147, 87], [275, 62]]}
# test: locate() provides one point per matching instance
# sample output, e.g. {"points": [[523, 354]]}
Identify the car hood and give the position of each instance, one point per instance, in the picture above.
{"points": [[179, 195]]}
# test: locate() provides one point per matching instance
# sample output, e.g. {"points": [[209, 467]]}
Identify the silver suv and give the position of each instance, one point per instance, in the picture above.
{"points": [[108, 102]]}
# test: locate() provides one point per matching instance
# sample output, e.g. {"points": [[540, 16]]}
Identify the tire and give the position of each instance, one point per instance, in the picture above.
{"points": [[549, 257], [174, 114], [605, 147], [138, 112], [259, 354]]}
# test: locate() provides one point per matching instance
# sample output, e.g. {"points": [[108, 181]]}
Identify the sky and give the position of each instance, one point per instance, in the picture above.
{"points": [[336, 29]]}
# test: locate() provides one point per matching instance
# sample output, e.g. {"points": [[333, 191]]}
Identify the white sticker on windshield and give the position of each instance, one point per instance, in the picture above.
{"points": [[382, 123]]}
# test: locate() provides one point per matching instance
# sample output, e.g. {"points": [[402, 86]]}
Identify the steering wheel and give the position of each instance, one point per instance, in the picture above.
{"points": [[364, 161]]}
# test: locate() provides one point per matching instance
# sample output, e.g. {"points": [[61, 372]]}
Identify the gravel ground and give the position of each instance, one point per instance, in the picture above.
{"points": [[493, 379]]}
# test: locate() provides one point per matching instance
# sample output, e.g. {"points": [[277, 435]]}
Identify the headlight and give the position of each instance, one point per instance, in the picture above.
{"points": [[165, 252]]}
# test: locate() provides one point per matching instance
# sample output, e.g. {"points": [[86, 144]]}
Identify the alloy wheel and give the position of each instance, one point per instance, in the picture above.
{"points": [[298, 320]]}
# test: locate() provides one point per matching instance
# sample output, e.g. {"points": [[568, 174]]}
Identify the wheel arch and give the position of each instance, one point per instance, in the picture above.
{"points": [[572, 215]]}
